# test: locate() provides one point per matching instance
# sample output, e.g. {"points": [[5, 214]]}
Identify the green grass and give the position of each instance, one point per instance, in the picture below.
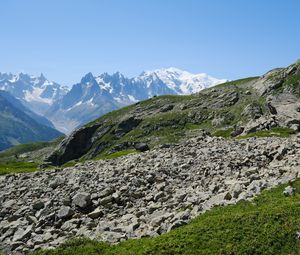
{"points": [[13, 154], [23, 148], [278, 132], [226, 133], [237, 82], [265, 226], [69, 164], [117, 154], [19, 167]]}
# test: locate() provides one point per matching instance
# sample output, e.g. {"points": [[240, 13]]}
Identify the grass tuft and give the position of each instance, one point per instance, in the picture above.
{"points": [[226, 133], [117, 154], [277, 132]]}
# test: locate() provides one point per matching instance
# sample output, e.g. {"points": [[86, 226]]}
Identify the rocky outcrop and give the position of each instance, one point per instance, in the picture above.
{"points": [[74, 146], [276, 79], [139, 195], [263, 123], [83, 139], [126, 125]]}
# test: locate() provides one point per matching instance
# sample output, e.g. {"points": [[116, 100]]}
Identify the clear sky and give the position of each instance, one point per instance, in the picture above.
{"points": [[65, 39]]}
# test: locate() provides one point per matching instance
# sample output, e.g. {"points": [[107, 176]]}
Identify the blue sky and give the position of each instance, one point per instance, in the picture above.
{"points": [[65, 39]]}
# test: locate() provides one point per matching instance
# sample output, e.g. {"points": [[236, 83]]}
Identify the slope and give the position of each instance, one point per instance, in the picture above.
{"points": [[16, 103], [17, 127], [267, 225], [267, 103]]}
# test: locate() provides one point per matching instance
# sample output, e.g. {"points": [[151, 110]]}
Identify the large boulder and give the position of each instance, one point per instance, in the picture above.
{"points": [[65, 212], [263, 123], [141, 147]]}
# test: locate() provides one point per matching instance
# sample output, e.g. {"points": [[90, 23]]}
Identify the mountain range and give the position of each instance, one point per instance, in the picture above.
{"points": [[94, 96]]}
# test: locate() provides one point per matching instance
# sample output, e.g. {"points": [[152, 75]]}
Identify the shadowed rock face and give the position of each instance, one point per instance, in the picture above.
{"points": [[82, 140], [74, 146]]}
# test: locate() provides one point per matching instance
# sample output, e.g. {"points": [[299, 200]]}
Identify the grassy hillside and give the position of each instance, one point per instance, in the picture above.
{"points": [[267, 225], [168, 119]]}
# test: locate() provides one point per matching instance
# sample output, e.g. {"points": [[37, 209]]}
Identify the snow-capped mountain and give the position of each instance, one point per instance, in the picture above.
{"points": [[182, 82], [83, 103], [35, 92], [97, 95], [94, 96]]}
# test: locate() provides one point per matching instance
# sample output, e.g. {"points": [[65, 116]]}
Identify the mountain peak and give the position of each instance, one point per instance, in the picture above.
{"points": [[170, 69], [180, 81], [87, 78], [42, 77], [118, 74]]}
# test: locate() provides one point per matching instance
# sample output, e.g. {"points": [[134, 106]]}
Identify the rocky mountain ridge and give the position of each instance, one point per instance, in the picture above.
{"points": [[35, 92], [97, 95], [139, 195], [237, 108]]}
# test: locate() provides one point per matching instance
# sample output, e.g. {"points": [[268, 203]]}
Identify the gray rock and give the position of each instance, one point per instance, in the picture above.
{"points": [[144, 194], [8, 204], [22, 234], [176, 224], [289, 191], [65, 212], [82, 200], [106, 192], [31, 219], [96, 213], [158, 195], [141, 147], [38, 205], [167, 108], [112, 237], [70, 225], [236, 190], [55, 183], [15, 245]]}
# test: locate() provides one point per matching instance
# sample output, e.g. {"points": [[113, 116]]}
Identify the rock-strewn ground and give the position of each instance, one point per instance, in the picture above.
{"points": [[139, 195]]}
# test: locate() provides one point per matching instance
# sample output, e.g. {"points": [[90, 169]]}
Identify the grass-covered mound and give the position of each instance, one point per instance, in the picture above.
{"points": [[267, 225]]}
